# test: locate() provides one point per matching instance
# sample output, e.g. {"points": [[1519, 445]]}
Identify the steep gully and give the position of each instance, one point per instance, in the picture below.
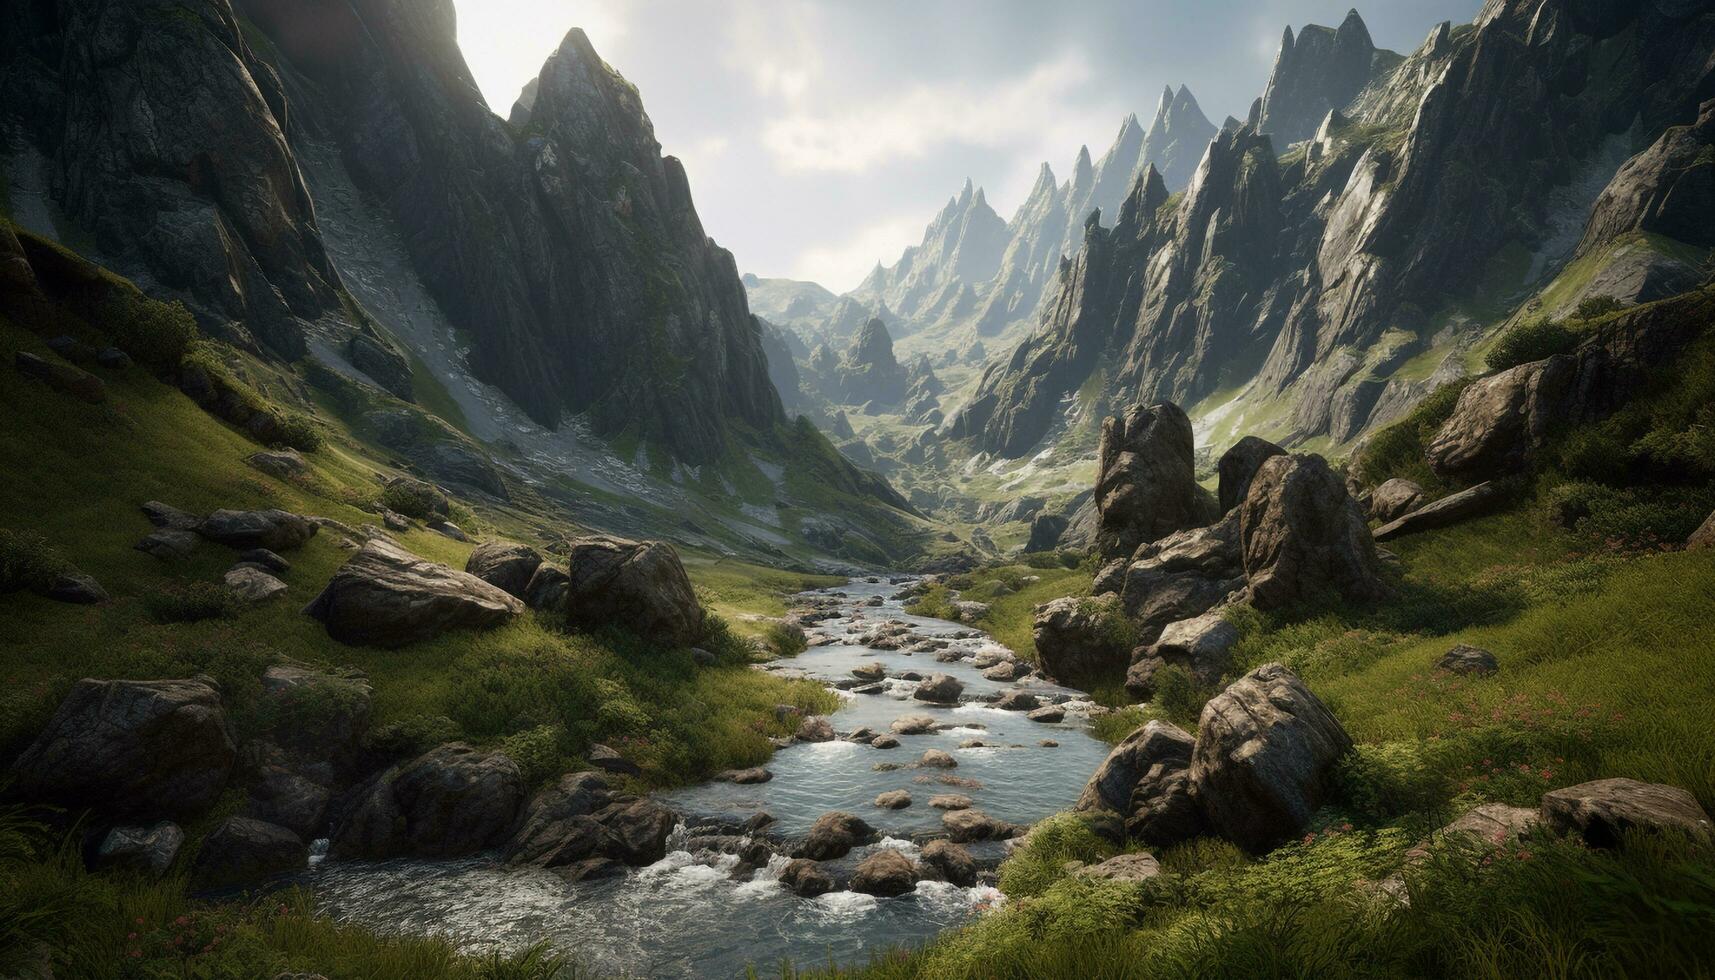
{"points": [[695, 913]]}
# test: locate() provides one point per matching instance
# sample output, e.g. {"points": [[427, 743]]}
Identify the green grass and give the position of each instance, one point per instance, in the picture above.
{"points": [[1011, 614]]}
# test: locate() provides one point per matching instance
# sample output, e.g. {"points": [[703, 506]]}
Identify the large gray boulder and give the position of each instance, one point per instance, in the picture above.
{"points": [[1449, 510], [1180, 577], [833, 835], [1603, 811], [1081, 637], [276, 530], [1146, 781], [242, 850], [143, 748], [386, 596], [1501, 421], [559, 826], [1238, 467], [1395, 499], [1304, 537], [638, 586], [1146, 483], [450, 801], [146, 850], [505, 565], [885, 874], [1203, 645], [1265, 749]]}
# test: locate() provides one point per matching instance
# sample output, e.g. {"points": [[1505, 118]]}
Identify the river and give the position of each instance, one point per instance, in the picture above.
{"points": [[689, 915]]}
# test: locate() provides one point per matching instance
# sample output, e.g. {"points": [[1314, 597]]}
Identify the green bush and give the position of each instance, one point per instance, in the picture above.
{"points": [[1397, 451], [1382, 782], [190, 602], [1530, 341], [413, 736], [537, 753], [27, 561], [1596, 307], [157, 335], [1056, 840], [1179, 696], [784, 639], [298, 432], [414, 498], [1594, 453]]}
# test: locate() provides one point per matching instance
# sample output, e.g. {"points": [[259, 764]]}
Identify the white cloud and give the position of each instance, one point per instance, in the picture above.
{"points": [[923, 118], [843, 265]]}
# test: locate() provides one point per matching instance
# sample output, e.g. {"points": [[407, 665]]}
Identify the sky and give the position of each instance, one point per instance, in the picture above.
{"points": [[822, 135]]}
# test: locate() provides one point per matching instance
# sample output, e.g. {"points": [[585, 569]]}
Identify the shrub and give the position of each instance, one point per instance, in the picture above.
{"points": [[785, 639], [1530, 341], [27, 561], [1594, 453], [537, 752], [298, 433], [1382, 782], [413, 736], [1596, 307], [413, 498], [190, 602], [1179, 696], [157, 335], [1056, 840]]}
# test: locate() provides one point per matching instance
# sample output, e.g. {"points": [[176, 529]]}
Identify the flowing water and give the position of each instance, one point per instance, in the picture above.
{"points": [[690, 915]]}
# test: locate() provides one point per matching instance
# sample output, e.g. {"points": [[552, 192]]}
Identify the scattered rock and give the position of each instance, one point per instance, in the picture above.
{"points": [[884, 742], [267, 559], [1395, 499], [289, 799], [145, 850], [1048, 743], [1010, 670], [871, 671], [913, 725], [806, 879], [1304, 537], [386, 596], [969, 611], [745, 777], [641, 585], [113, 359], [1469, 660], [949, 862], [1124, 867], [1017, 701], [504, 565], [1263, 752], [450, 801], [897, 799], [1238, 467], [833, 835], [1146, 485], [316, 716], [242, 850], [1602, 811], [1492, 824], [146, 748], [1078, 638], [1445, 512], [815, 729], [939, 689], [559, 827], [885, 874], [447, 529], [703, 658], [950, 801], [252, 585], [609, 760], [1050, 714], [63, 378], [936, 759], [1203, 646], [168, 517], [1045, 532], [75, 588], [282, 463], [965, 826], [636, 832], [167, 543], [242, 530], [548, 589]]}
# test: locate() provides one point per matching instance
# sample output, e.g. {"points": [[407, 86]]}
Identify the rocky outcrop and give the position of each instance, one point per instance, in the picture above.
{"points": [[1449, 510], [1180, 577], [276, 530], [1304, 537], [506, 566], [1238, 467], [1317, 72], [1146, 483], [242, 850], [885, 874], [961, 247], [386, 596], [1046, 531], [1395, 499], [868, 371], [1081, 637], [833, 835], [1265, 749], [637, 586], [450, 801], [1146, 780], [1603, 812], [137, 748], [1668, 189], [1203, 646], [558, 826], [1502, 420]]}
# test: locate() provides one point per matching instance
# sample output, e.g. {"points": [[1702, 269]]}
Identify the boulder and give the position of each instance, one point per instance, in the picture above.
{"points": [[549, 586], [641, 586], [168, 543], [266, 559], [168, 517], [1395, 499], [504, 565], [1146, 781], [636, 832], [289, 799], [1501, 421], [450, 801], [75, 588], [242, 530], [316, 716], [1264, 750], [1046, 531], [1703, 538], [936, 759], [1468, 660], [969, 611], [146, 748], [242, 850], [608, 759], [386, 596], [1603, 811], [1017, 701], [1303, 537], [447, 529], [815, 729], [1180, 577], [1079, 638], [948, 862], [1203, 645], [965, 826], [1124, 867], [145, 850], [745, 777], [559, 827], [1491, 824], [1447, 511], [1048, 714], [806, 879], [1010, 670], [871, 671], [884, 742], [885, 874], [896, 799], [913, 725], [950, 801], [939, 689], [1238, 467], [833, 835], [280, 463], [1146, 483], [252, 585]]}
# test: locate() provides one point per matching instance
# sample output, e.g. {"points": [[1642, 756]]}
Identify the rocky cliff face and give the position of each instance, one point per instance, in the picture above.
{"points": [[1310, 278], [960, 248], [1318, 71]]}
